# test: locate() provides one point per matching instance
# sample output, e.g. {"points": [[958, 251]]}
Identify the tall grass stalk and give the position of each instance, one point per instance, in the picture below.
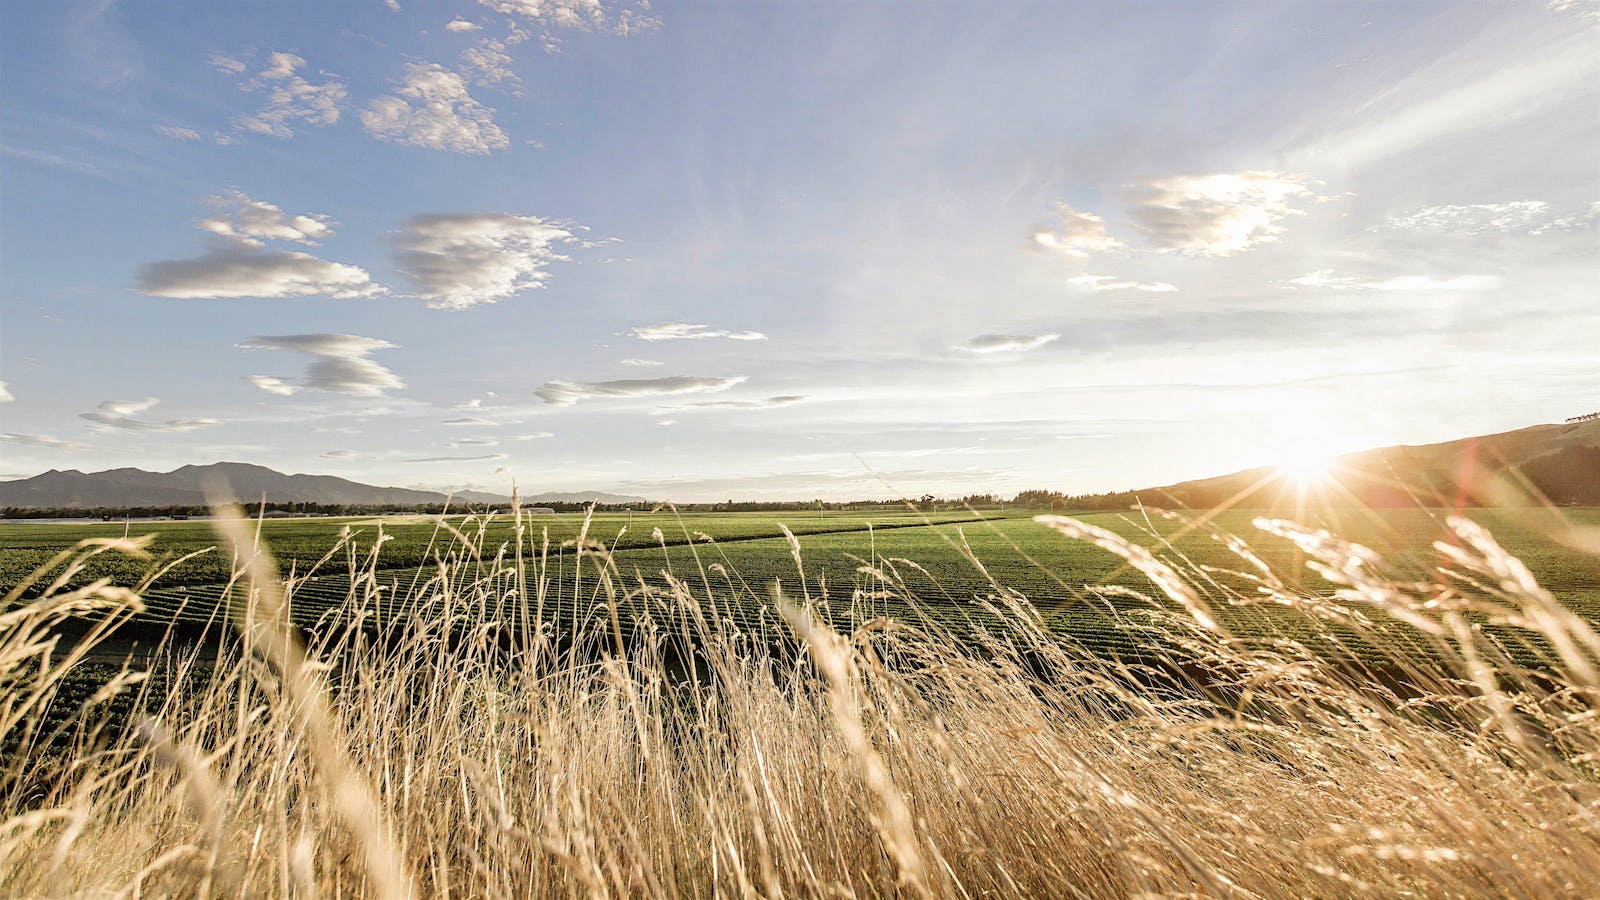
{"points": [[475, 738]]}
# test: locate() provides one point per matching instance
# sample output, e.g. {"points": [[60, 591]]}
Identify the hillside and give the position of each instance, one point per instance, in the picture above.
{"points": [[186, 486], [1559, 464]]}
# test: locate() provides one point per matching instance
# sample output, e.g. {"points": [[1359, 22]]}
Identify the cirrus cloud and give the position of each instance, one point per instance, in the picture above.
{"points": [[1006, 343], [567, 393], [42, 440], [1098, 283], [684, 331], [120, 414]]}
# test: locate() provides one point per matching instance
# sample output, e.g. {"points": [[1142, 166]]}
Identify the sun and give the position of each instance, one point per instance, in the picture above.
{"points": [[1305, 465]]}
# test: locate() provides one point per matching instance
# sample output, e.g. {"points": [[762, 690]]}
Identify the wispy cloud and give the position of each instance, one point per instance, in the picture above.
{"points": [[439, 459], [342, 364], [1006, 343], [763, 403], [253, 222], [1328, 278], [1531, 217], [600, 16], [1098, 283], [468, 420], [683, 331], [1075, 234], [5, 393], [459, 260], [635, 361], [461, 25], [566, 393], [432, 109], [120, 414], [42, 440], [178, 133], [291, 99]]}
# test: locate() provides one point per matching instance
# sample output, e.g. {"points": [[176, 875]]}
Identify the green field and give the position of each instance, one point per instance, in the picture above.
{"points": [[908, 566]]}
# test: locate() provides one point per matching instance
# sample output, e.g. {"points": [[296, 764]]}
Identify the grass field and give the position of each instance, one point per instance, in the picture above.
{"points": [[929, 557], [1006, 707]]}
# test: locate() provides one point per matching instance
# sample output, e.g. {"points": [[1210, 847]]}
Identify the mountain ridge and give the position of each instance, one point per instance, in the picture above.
{"points": [[186, 485]]}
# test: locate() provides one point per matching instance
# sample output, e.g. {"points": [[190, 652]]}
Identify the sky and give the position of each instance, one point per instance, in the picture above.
{"points": [[705, 251]]}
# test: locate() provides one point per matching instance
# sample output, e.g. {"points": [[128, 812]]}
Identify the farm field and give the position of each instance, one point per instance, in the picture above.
{"points": [[409, 541], [907, 566]]}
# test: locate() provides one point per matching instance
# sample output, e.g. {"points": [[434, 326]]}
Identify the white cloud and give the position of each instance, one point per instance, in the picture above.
{"points": [[342, 365], [490, 63], [1075, 234], [1214, 215], [273, 385], [177, 133], [432, 109], [586, 15], [1583, 9], [436, 459], [394, 5], [458, 260], [5, 393], [566, 393], [225, 64], [468, 420], [235, 269], [291, 99], [460, 25], [635, 361], [1007, 343], [42, 440], [236, 264], [1098, 283], [254, 221], [763, 403], [1491, 80], [683, 331], [1532, 217], [475, 442], [120, 414], [1328, 278], [534, 436]]}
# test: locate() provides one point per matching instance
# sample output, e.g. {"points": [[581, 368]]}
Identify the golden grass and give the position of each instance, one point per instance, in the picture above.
{"points": [[462, 755]]}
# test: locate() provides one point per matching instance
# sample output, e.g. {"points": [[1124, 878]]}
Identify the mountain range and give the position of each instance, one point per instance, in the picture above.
{"points": [[187, 486], [1557, 464]]}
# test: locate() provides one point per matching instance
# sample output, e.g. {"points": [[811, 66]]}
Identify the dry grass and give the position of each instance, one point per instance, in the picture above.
{"points": [[468, 756]]}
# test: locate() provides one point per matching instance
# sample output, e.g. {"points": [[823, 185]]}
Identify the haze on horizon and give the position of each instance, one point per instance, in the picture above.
{"points": [[700, 251]]}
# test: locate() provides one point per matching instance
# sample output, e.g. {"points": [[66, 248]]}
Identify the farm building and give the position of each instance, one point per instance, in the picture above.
{"points": [[538, 510]]}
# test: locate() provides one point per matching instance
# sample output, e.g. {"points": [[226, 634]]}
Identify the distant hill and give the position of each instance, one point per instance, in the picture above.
{"points": [[1559, 464], [186, 486]]}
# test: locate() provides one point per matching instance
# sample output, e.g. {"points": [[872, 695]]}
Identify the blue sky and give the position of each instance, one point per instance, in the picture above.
{"points": [[697, 251]]}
